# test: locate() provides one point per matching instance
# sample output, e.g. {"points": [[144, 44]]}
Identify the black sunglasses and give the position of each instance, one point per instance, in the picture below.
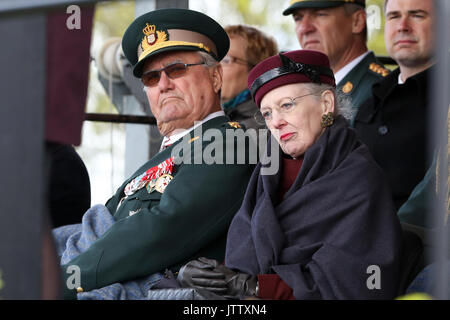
{"points": [[174, 70]]}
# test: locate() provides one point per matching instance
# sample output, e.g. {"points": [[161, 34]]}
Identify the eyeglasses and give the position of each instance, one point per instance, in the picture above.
{"points": [[228, 59], [174, 70], [266, 115]]}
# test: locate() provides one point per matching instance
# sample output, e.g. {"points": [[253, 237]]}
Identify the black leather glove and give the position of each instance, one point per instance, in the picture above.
{"points": [[239, 285], [200, 274], [209, 274]]}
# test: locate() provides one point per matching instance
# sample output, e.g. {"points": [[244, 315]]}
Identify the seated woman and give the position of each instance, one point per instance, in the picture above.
{"points": [[324, 226]]}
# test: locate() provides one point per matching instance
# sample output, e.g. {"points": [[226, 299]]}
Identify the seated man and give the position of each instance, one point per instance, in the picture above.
{"points": [[393, 122], [338, 28], [180, 203]]}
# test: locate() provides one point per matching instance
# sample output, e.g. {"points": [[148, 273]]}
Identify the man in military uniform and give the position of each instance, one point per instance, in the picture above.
{"points": [[179, 204], [338, 29], [393, 123]]}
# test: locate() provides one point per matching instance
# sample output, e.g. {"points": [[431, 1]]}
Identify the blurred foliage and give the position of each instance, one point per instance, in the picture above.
{"points": [[267, 15], [1, 280], [374, 16], [263, 14], [113, 17]]}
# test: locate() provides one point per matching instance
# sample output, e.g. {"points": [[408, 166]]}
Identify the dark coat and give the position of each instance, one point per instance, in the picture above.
{"points": [[154, 231], [393, 125], [358, 82], [69, 188], [335, 222]]}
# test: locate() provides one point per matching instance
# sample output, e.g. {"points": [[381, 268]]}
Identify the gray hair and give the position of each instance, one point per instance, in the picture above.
{"points": [[351, 8], [210, 61], [343, 103]]}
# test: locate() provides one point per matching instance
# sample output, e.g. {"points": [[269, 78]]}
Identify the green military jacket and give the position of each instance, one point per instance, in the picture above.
{"points": [[357, 84], [154, 231]]}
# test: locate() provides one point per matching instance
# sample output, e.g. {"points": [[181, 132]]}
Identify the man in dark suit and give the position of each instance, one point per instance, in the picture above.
{"points": [[338, 29], [393, 124], [180, 203]]}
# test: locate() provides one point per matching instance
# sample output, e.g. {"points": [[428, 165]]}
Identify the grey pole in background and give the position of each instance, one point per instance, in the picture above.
{"points": [[23, 205], [440, 93], [22, 111]]}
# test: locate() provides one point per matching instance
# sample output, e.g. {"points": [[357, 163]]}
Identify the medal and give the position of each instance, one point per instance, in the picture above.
{"points": [[151, 186], [149, 178], [163, 182]]}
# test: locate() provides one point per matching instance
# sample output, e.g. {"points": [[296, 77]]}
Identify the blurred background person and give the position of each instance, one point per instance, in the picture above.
{"points": [[248, 46], [338, 28], [393, 123]]}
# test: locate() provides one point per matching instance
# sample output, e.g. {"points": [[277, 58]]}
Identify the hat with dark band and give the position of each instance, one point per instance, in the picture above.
{"points": [[299, 66], [172, 29], [300, 4]]}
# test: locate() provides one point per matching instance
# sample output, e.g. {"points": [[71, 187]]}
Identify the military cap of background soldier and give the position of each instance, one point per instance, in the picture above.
{"points": [[301, 4], [172, 29]]}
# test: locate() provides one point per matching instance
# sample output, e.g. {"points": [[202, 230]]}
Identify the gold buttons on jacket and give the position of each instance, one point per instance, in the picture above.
{"points": [[79, 290], [348, 87]]}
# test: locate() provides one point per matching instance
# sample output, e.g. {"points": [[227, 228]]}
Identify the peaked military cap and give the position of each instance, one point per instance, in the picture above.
{"points": [[172, 29], [300, 4]]}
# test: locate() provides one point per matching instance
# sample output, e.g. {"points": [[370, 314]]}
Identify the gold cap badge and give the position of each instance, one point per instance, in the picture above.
{"points": [[152, 36]]}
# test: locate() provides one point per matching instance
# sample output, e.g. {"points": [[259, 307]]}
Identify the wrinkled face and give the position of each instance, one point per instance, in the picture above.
{"points": [[409, 31], [328, 30], [235, 72], [177, 103], [296, 126]]}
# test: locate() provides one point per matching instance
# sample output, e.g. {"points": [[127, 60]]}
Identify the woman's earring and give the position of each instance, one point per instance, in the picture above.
{"points": [[327, 120]]}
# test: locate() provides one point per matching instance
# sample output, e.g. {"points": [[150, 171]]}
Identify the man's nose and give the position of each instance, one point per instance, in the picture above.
{"points": [[305, 25], [404, 24], [165, 83]]}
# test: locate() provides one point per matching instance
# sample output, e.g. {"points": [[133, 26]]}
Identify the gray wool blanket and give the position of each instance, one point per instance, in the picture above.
{"points": [[71, 240]]}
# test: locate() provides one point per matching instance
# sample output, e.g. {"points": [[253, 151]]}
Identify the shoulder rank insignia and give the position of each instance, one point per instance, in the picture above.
{"points": [[193, 139], [375, 67], [348, 87], [234, 124]]}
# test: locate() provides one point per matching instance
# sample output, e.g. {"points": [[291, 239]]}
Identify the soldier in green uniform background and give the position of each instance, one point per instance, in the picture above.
{"points": [[338, 29], [178, 205]]}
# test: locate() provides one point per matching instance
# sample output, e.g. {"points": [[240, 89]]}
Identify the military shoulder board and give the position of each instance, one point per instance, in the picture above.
{"points": [[375, 67]]}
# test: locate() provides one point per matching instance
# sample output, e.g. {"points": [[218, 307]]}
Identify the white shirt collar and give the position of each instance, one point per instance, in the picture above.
{"points": [[400, 81], [177, 136], [338, 76]]}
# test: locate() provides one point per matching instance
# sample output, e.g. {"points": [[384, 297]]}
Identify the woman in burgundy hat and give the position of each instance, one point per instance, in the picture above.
{"points": [[324, 225]]}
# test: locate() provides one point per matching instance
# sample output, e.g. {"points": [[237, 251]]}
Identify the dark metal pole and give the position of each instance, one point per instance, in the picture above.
{"points": [[161, 4], [22, 94], [32, 5], [119, 118]]}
